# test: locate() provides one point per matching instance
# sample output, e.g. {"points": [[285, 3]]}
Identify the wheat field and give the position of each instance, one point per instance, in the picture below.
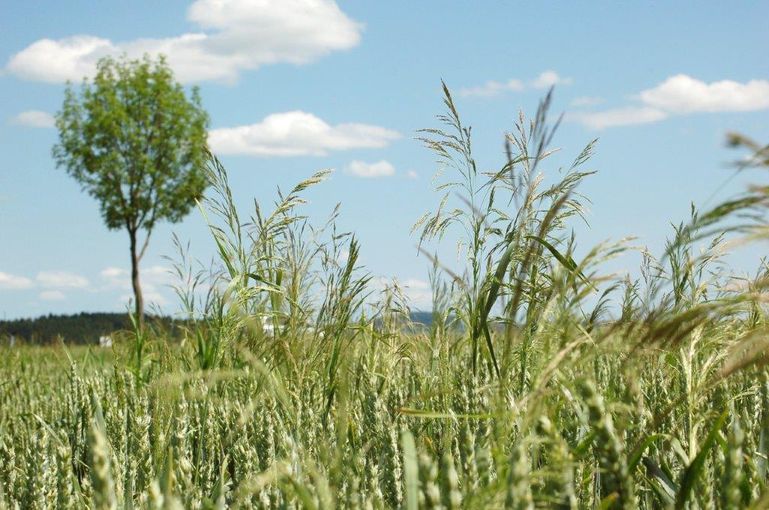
{"points": [[542, 382]]}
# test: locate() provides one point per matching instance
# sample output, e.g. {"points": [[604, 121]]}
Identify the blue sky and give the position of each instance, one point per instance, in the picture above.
{"points": [[294, 86]]}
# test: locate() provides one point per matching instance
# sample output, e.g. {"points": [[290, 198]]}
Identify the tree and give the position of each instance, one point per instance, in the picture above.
{"points": [[135, 142]]}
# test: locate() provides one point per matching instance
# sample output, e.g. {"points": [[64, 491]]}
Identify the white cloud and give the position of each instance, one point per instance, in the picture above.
{"points": [[71, 58], [297, 133], [112, 272], [412, 175], [52, 295], [116, 278], [548, 79], [618, 117], [684, 94], [35, 119], [586, 101], [679, 95], [157, 275], [232, 36], [419, 293], [61, 280], [370, 170], [45, 279], [154, 280], [492, 88], [149, 277], [13, 282]]}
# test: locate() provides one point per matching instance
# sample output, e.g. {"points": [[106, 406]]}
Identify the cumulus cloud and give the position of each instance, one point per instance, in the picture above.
{"points": [[684, 94], [13, 282], [61, 280], [412, 175], [115, 278], [548, 79], [680, 95], [152, 276], [51, 284], [52, 295], [55, 61], [34, 118], [492, 88], [297, 133], [49, 280], [618, 117], [232, 36], [112, 272], [153, 280], [370, 170]]}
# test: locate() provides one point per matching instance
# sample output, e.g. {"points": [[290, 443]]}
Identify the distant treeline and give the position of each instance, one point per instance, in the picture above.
{"points": [[86, 328], [81, 328]]}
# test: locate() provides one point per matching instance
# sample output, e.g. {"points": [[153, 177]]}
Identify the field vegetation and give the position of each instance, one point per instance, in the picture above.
{"points": [[542, 381]]}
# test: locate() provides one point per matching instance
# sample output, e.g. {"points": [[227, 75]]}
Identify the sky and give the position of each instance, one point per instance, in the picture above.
{"points": [[295, 86]]}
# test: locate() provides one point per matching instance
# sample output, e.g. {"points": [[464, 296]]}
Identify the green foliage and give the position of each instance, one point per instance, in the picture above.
{"points": [[137, 144]]}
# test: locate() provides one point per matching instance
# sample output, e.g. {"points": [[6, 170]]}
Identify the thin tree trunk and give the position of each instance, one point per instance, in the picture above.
{"points": [[135, 257]]}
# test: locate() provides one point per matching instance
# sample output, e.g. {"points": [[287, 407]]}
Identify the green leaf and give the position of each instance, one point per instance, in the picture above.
{"points": [[565, 261], [638, 452], [692, 472], [665, 488], [410, 470]]}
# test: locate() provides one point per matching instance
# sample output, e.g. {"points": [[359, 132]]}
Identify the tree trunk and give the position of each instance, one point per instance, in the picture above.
{"points": [[135, 280]]}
